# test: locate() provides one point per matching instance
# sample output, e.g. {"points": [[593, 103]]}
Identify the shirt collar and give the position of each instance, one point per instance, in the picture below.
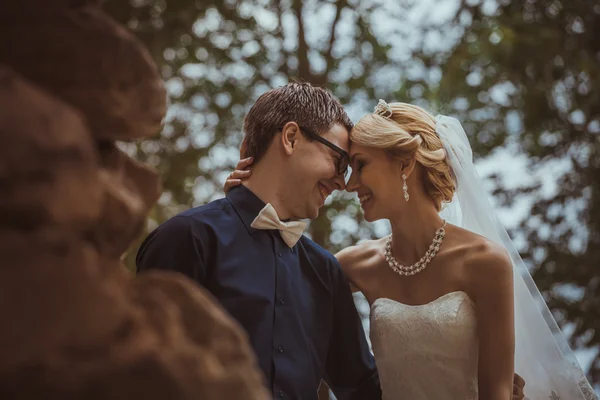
{"points": [[246, 204]]}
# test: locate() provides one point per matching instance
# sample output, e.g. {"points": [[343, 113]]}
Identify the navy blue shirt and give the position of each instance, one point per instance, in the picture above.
{"points": [[295, 304]]}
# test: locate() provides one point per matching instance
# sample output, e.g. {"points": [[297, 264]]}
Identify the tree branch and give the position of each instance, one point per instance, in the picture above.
{"points": [[340, 4], [303, 64], [283, 66]]}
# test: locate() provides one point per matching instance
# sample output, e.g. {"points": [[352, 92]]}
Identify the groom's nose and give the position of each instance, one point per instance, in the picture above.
{"points": [[339, 182]]}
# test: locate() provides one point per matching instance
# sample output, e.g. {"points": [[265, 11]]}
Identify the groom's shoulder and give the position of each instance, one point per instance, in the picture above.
{"points": [[207, 210], [215, 214]]}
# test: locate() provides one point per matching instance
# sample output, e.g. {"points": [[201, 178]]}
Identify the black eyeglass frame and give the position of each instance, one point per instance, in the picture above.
{"points": [[342, 163]]}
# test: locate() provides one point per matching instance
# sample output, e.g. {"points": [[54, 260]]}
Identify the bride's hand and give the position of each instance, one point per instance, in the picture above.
{"points": [[240, 173], [518, 386]]}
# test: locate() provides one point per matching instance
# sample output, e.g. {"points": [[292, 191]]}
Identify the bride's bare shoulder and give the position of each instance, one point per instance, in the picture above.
{"points": [[472, 247], [486, 264], [356, 261]]}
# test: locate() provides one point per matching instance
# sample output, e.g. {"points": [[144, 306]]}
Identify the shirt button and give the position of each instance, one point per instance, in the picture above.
{"points": [[280, 349], [281, 301], [280, 393], [279, 254]]}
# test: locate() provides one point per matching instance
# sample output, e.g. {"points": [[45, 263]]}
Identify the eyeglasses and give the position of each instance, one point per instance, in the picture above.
{"points": [[342, 162]]}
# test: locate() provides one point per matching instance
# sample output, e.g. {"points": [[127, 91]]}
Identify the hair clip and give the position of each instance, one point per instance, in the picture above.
{"points": [[382, 108]]}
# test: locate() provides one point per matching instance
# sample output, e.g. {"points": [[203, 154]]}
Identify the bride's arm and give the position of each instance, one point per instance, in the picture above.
{"points": [[491, 282]]}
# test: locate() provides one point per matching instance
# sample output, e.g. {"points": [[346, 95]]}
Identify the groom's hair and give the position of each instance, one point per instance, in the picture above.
{"points": [[309, 106]]}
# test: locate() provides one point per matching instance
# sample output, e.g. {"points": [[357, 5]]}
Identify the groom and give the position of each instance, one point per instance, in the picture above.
{"points": [[286, 291]]}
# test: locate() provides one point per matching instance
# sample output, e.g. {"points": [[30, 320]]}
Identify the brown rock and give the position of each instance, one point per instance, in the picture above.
{"points": [[85, 329], [75, 323], [131, 189], [38, 8], [55, 294], [88, 60], [48, 163]]}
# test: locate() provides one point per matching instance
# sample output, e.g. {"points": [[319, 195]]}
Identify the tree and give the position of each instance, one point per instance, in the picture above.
{"points": [[518, 74]]}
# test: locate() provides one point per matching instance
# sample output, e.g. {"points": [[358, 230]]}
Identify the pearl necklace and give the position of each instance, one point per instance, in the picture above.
{"points": [[423, 262]]}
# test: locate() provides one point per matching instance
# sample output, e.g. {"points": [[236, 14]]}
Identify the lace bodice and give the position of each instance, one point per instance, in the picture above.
{"points": [[427, 351]]}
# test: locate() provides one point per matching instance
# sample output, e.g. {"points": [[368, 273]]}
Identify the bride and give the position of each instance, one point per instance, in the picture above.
{"points": [[454, 311], [441, 296]]}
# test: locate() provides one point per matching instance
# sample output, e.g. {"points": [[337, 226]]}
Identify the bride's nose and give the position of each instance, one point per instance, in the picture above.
{"points": [[353, 184]]}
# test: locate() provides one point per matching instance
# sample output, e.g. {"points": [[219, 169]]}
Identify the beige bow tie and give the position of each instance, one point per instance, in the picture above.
{"points": [[268, 219]]}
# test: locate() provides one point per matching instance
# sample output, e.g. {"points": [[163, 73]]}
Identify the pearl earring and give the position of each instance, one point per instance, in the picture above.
{"points": [[405, 188]]}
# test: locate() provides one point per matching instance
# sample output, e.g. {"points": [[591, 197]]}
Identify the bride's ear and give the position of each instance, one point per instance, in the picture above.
{"points": [[408, 166]]}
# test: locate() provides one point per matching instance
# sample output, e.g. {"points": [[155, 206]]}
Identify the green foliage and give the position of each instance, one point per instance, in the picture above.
{"points": [[545, 56], [520, 74]]}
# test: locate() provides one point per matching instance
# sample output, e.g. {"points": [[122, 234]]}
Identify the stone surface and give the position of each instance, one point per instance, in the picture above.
{"points": [[88, 60], [130, 191], [86, 329], [44, 8], [75, 323], [48, 162]]}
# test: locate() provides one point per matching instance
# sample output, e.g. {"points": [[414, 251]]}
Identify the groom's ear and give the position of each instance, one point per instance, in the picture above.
{"points": [[289, 137], [243, 149]]}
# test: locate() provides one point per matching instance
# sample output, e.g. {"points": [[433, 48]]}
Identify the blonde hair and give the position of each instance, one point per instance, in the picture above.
{"points": [[410, 133]]}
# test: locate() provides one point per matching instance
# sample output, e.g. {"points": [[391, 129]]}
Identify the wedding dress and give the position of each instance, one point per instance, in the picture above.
{"points": [[427, 351]]}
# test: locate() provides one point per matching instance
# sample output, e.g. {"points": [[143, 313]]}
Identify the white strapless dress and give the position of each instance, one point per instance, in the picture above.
{"points": [[426, 352]]}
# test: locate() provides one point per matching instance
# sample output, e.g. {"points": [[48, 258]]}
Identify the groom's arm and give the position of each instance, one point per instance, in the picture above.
{"points": [[176, 245], [350, 369]]}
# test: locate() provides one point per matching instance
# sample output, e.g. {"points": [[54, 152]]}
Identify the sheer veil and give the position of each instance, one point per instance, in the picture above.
{"points": [[542, 356]]}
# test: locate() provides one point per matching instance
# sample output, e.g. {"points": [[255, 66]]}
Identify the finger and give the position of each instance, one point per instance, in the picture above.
{"points": [[518, 380], [516, 389], [230, 183], [244, 163], [238, 174], [518, 393]]}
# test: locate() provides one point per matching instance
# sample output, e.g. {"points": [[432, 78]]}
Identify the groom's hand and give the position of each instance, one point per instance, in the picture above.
{"points": [[518, 385], [241, 172]]}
